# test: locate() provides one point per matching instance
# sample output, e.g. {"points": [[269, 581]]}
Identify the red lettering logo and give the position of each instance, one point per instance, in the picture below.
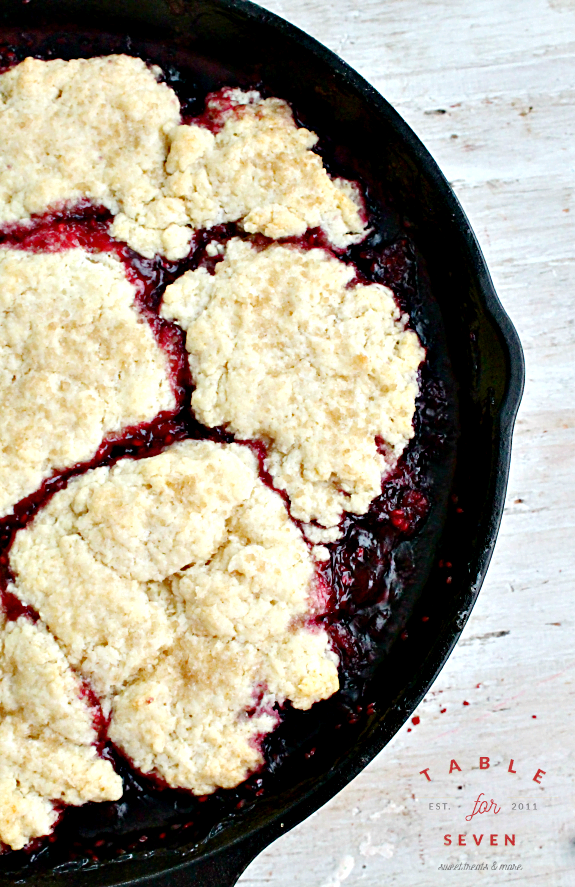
{"points": [[483, 807]]}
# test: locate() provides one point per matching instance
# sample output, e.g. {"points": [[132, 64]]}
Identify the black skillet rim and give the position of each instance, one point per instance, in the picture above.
{"points": [[243, 847]]}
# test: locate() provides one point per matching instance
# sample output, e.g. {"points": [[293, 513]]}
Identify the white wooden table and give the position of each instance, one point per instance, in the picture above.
{"points": [[489, 86]]}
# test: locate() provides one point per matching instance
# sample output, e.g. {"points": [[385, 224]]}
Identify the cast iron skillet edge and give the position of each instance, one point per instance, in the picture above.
{"points": [[222, 866]]}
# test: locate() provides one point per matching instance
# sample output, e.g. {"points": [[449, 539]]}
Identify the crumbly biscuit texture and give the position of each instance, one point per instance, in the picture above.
{"points": [[77, 362], [179, 586], [107, 130], [284, 346], [47, 752], [196, 720], [86, 128], [188, 720], [258, 168]]}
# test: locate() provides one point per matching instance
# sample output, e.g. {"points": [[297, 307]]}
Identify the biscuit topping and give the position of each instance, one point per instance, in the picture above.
{"points": [[179, 587], [285, 347], [258, 168], [105, 129], [77, 362], [47, 752]]}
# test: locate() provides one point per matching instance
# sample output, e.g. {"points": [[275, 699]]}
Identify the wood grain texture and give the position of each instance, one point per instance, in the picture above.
{"points": [[504, 74]]}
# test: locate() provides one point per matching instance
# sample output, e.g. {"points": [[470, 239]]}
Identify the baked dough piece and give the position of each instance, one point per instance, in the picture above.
{"points": [[179, 586], [77, 362], [197, 719], [85, 128], [285, 347], [47, 751], [258, 168], [105, 129]]}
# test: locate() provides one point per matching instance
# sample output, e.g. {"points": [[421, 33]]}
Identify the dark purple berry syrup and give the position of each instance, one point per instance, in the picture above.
{"points": [[363, 582]]}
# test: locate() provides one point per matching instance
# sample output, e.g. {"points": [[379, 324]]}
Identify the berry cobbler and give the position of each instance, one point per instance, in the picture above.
{"points": [[201, 392]]}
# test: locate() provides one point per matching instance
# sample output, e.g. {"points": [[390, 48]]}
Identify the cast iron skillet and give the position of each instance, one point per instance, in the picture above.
{"points": [[471, 343]]}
